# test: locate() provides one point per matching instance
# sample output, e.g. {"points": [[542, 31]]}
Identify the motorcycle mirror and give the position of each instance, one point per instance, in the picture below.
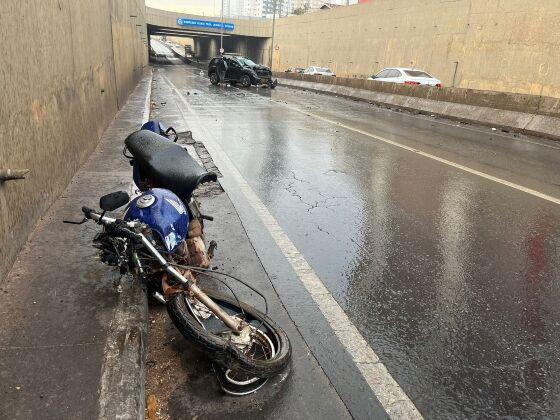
{"points": [[113, 201]]}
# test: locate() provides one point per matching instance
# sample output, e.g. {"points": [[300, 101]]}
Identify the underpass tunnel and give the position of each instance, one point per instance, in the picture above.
{"points": [[206, 45], [252, 47]]}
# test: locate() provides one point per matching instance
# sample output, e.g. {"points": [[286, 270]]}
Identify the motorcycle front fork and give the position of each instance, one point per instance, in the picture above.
{"points": [[192, 289]]}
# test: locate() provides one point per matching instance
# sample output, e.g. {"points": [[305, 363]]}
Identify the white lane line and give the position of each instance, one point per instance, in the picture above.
{"points": [[148, 103], [452, 123], [429, 156], [391, 396]]}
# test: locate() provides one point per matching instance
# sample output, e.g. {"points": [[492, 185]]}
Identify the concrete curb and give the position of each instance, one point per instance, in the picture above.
{"points": [[123, 377], [531, 124]]}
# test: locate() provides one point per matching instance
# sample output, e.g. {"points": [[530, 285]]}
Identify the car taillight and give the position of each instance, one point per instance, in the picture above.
{"points": [[411, 83], [439, 85]]}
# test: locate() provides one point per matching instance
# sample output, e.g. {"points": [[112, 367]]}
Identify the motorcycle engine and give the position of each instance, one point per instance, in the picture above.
{"points": [[112, 251]]}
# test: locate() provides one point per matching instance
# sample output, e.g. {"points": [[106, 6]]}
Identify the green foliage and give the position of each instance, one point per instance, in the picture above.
{"points": [[301, 10]]}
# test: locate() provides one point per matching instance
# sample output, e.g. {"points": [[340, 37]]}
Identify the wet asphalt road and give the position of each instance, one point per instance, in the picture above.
{"points": [[451, 278]]}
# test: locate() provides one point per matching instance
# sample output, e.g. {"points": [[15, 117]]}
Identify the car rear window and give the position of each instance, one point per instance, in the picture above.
{"points": [[417, 73]]}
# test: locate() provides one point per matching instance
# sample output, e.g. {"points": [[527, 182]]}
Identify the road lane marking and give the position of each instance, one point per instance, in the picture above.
{"points": [[148, 103], [391, 396], [428, 155], [451, 123]]}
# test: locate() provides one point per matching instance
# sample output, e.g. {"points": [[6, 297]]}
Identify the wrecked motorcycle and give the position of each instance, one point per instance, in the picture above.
{"points": [[160, 240]]}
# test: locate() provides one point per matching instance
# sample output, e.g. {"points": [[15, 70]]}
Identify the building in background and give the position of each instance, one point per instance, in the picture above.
{"points": [[243, 8], [252, 8], [234, 8], [266, 8], [303, 6], [329, 6]]}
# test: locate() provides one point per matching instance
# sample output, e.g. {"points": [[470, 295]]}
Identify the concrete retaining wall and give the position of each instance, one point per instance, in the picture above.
{"points": [[67, 66], [522, 113], [498, 45]]}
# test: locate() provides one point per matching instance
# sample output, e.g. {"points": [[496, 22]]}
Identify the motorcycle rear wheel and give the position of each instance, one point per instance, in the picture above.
{"points": [[215, 337]]}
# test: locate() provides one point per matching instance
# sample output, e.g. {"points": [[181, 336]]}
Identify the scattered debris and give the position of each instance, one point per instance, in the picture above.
{"points": [[152, 407]]}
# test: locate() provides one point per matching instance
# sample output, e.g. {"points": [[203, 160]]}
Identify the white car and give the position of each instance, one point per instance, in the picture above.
{"points": [[406, 77], [322, 71]]}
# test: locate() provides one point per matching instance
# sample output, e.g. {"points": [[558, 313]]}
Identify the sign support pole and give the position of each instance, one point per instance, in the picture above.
{"points": [[222, 30], [272, 39]]}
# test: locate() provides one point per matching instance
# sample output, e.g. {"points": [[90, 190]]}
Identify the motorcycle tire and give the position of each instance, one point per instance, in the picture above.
{"points": [[221, 350]]}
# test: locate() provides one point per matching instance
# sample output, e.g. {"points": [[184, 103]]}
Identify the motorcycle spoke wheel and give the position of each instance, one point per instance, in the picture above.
{"points": [[262, 350]]}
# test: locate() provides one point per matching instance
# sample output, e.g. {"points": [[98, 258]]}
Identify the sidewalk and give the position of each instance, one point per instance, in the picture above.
{"points": [[72, 334]]}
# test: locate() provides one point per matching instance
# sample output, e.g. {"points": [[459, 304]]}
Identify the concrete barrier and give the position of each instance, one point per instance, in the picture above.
{"points": [[528, 114]]}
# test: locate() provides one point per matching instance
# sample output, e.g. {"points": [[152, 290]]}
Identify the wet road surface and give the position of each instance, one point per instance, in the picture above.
{"points": [[451, 278]]}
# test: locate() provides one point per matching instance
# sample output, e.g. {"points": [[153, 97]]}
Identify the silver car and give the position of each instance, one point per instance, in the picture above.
{"points": [[322, 71], [406, 76]]}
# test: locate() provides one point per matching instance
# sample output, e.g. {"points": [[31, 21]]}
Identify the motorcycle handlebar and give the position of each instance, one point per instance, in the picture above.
{"points": [[87, 212], [108, 221]]}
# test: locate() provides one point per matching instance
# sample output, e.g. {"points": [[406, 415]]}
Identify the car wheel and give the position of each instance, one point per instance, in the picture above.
{"points": [[245, 81], [214, 79]]}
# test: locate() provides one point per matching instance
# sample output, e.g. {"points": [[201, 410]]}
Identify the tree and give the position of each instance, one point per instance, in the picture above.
{"points": [[301, 10]]}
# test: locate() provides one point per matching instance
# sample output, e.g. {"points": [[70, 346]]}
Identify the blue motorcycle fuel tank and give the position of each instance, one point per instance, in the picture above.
{"points": [[164, 213]]}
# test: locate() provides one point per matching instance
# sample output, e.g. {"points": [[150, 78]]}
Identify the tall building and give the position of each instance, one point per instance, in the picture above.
{"points": [[243, 8], [253, 8], [234, 8]]}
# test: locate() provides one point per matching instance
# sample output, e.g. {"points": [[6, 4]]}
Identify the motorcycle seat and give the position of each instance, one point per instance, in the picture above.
{"points": [[167, 164]]}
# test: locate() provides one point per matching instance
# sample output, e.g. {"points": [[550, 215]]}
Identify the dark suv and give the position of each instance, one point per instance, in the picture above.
{"points": [[240, 70]]}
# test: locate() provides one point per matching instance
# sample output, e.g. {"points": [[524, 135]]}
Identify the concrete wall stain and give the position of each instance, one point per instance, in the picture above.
{"points": [[501, 45], [61, 75]]}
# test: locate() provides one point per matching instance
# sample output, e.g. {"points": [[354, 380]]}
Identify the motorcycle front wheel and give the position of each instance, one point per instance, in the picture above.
{"points": [[267, 354]]}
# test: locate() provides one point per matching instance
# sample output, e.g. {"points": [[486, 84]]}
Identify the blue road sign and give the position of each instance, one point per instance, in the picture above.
{"points": [[206, 24]]}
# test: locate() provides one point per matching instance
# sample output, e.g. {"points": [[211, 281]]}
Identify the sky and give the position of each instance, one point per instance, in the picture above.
{"points": [[196, 7]]}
